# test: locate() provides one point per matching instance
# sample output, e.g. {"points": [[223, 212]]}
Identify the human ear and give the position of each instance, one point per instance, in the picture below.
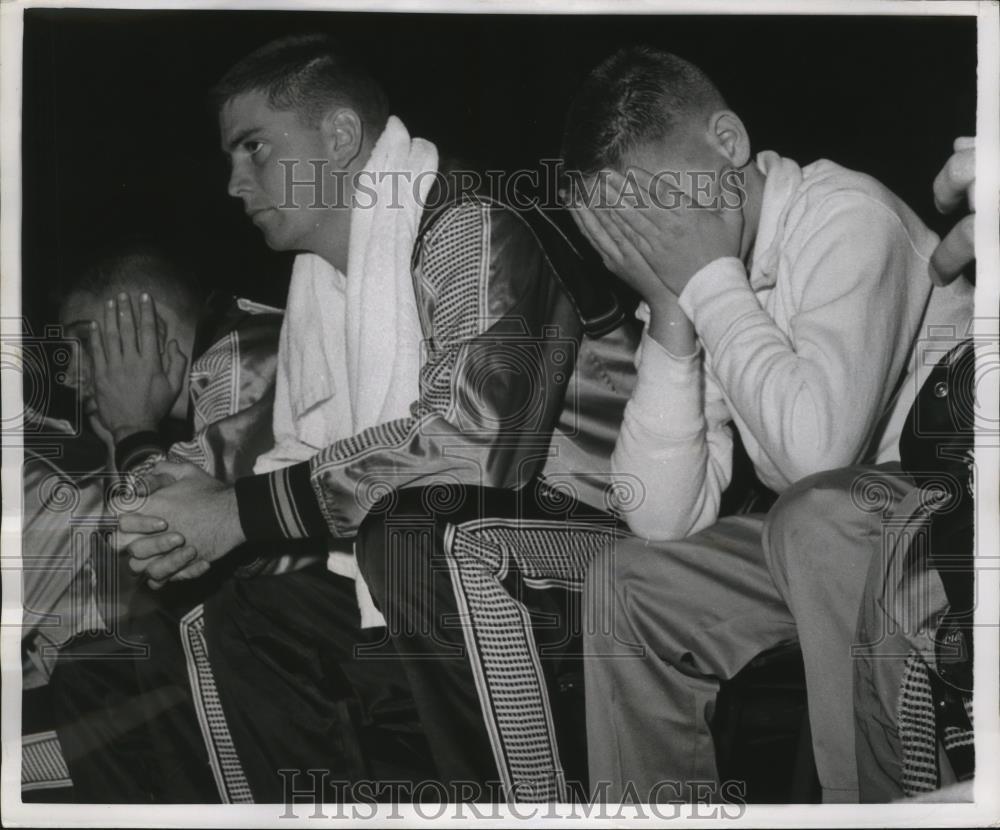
{"points": [[729, 136], [343, 133]]}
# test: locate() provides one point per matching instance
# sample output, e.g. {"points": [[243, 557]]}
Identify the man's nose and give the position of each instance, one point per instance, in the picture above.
{"points": [[239, 182]]}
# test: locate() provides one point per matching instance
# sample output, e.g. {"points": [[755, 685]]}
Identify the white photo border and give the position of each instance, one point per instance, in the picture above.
{"points": [[986, 807]]}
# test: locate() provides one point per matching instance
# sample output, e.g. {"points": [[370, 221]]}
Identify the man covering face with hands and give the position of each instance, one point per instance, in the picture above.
{"points": [[162, 369], [779, 300]]}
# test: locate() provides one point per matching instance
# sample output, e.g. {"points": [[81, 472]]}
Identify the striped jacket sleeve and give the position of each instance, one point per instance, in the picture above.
{"points": [[499, 345]]}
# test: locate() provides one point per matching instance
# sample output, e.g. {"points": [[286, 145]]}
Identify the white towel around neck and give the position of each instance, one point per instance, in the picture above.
{"points": [[349, 352]]}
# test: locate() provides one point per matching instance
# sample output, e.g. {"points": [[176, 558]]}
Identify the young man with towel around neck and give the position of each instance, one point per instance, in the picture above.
{"points": [[414, 342]]}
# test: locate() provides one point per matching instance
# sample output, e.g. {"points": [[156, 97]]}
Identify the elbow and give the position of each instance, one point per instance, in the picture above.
{"points": [[643, 512], [818, 458], [652, 527], [663, 500], [656, 524], [816, 440]]}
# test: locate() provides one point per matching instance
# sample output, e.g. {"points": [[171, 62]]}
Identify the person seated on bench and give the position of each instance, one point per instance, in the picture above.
{"points": [[141, 402], [162, 369], [431, 338], [783, 302]]}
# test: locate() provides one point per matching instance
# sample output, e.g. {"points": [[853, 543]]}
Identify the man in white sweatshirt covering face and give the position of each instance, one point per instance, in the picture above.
{"points": [[785, 302]]}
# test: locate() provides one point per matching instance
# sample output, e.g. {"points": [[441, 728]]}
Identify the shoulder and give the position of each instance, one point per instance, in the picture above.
{"points": [[825, 178], [471, 216], [257, 326], [835, 196], [245, 332], [248, 324], [476, 235]]}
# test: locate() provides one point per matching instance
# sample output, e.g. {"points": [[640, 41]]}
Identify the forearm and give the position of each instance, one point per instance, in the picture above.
{"points": [[681, 480], [333, 492], [778, 395], [670, 327], [670, 449], [459, 434], [809, 397]]}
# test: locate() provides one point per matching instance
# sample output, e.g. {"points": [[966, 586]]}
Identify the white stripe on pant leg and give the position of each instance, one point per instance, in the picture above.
{"points": [[475, 663], [519, 723], [230, 779]]}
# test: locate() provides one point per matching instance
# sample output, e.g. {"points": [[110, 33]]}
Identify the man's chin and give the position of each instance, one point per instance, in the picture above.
{"points": [[276, 241]]}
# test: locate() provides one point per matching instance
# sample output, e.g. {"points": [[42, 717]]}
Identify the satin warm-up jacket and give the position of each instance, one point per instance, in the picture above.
{"points": [[526, 372]]}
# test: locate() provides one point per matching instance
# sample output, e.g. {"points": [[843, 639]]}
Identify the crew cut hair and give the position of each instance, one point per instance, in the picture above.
{"points": [[306, 74], [637, 95], [139, 264]]}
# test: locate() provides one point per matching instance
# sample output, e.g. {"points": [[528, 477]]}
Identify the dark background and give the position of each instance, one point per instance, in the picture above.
{"points": [[118, 138]]}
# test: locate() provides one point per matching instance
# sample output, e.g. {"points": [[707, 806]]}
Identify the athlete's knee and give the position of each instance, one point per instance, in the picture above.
{"points": [[803, 515]]}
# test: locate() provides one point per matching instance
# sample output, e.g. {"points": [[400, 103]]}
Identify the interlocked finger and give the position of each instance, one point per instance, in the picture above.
{"points": [[140, 523], [196, 569], [165, 567], [159, 544]]}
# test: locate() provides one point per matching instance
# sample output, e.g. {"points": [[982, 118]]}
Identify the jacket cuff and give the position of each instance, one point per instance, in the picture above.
{"points": [[132, 450], [667, 395], [708, 298], [279, 505]]}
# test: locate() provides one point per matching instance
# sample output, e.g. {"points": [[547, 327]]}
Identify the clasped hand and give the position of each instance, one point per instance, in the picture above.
{"points": [[186, 521]]}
